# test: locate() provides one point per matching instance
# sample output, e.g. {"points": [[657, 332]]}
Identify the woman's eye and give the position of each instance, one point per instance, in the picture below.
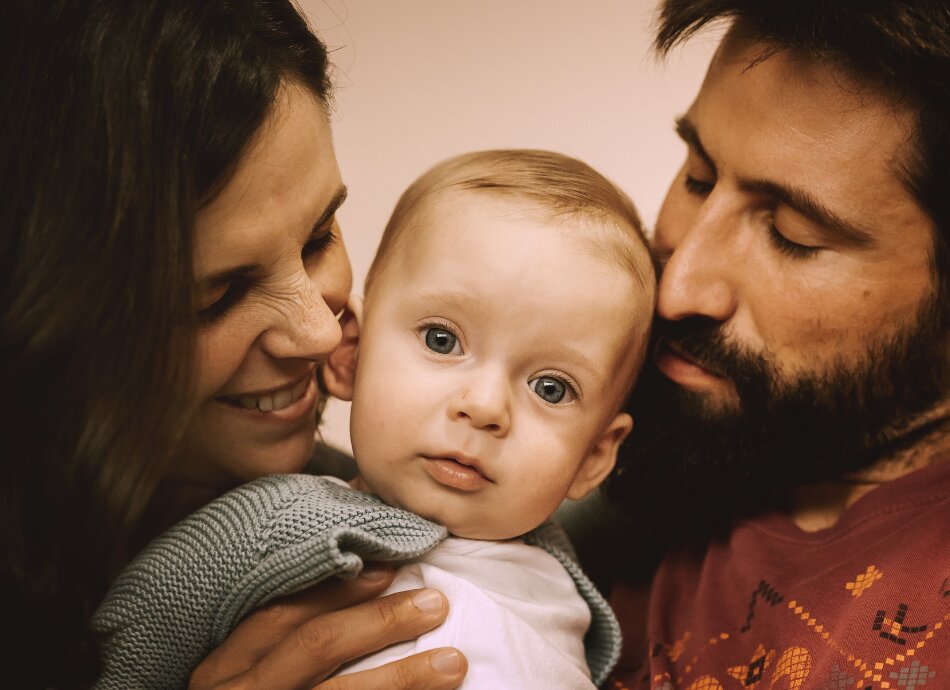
{"points": [[318, 245], [441, 341], [551, 390], [219, 308]]}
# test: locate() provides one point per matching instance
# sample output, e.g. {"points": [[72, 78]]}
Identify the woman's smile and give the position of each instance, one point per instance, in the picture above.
{"points": [[284, 404]]}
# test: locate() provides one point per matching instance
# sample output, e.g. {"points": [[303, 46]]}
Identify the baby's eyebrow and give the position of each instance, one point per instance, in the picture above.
{"points": [[454, 300], [558, 354], [577, 360]]}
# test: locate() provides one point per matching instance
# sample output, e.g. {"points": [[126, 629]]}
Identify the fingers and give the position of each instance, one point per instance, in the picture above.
{"points": [[436, 669], [317, 647], [279, 617], [264, 629]]}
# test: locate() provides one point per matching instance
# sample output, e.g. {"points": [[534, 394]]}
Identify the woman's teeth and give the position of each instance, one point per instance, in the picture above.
{"points": [[274, 401]]}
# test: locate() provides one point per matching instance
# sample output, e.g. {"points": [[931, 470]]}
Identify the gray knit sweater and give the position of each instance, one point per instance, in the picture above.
{"points": [[189, 588]]}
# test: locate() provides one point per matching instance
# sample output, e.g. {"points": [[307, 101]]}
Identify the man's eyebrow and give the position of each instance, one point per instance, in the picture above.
{"points": [[688, 133], [807, 205], [229, 275], [795, 198]]}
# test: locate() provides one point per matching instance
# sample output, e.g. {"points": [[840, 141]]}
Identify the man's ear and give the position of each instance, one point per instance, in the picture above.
{"points": [[601, 458], [339, 369]]}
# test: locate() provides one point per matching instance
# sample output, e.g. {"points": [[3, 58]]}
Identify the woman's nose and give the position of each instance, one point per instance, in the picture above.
{"points": [[304, 325], [483, 401]]}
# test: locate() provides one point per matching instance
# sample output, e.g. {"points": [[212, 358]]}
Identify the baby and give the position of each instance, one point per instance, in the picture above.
{"points": [[505, 320]]}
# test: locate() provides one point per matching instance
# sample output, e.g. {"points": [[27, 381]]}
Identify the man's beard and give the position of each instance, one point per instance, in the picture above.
{"points": [[689, 470]]}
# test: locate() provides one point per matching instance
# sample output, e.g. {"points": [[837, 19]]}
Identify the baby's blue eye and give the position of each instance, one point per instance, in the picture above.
{"points": [[549, 389], [440, 340]]}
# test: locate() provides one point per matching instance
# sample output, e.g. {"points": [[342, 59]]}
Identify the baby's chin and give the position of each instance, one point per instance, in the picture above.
{"points": [[482, 534], [474, 528], [448, 511]]}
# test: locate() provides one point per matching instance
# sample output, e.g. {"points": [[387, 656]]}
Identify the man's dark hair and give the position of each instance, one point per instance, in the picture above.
{"points": [[901, 48]]}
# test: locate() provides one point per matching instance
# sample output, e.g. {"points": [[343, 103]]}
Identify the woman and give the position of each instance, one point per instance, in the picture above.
{"points": [[171, 271]]}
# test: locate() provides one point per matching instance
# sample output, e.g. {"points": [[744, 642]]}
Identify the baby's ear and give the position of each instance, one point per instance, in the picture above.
{"points": [[601, 458], [339, 369]]}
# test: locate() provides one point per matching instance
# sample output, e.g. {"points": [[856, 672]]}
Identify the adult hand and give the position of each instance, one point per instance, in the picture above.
{"points": [[297, 641]]}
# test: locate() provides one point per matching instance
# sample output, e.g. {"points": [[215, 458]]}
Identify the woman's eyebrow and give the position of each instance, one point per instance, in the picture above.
{"points": [[331, 208], [228, 275]]}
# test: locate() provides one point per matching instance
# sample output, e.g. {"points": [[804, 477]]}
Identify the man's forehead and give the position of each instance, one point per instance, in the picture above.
{"points": [[785, 115], [784, 131], [743, 55]]}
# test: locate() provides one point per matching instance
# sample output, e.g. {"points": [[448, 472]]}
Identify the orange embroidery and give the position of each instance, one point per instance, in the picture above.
{"points": [[794, 663], [864, 581], [751, 675]]}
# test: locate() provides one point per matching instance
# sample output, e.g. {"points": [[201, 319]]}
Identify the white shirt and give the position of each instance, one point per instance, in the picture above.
{"points": [[513, 611]]}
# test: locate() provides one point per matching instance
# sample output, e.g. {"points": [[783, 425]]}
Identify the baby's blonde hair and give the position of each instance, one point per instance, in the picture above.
{"points": [[559, 185]]}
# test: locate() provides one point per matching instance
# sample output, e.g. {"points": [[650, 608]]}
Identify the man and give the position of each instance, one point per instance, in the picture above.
{"points": [[793, 444]]}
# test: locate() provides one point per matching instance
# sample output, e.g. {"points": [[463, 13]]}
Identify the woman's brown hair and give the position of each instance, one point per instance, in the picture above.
{"points": [[119, 121]]}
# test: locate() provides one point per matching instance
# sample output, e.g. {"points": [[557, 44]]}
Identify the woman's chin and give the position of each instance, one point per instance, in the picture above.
{"points": [[287, 457], [225, 460]]}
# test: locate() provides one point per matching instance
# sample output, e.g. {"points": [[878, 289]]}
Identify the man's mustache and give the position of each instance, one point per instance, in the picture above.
{"points": [[703, 340]]}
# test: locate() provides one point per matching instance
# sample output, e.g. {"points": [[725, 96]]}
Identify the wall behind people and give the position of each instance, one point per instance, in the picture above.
{"points": [[421, 80]]}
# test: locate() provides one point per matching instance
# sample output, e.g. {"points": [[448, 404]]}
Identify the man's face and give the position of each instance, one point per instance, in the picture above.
{"points": [[797, 308], [789, 225]]}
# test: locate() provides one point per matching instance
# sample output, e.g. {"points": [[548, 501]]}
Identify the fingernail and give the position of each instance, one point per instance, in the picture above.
{"points": [[447, 662], [374, 574], [428, 601]]}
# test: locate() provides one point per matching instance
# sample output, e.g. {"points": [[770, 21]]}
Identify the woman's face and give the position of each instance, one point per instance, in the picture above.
{"points": [[272, 273]]}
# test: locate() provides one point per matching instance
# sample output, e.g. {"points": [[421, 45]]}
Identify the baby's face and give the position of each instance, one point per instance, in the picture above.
{"points": [[494, 354]]}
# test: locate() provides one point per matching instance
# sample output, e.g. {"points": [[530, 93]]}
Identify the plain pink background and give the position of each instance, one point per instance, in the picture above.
{"points": [[421, 80]]}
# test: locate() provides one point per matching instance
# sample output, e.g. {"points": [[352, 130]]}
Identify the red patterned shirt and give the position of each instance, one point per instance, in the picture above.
{"points": [[864, 604]]}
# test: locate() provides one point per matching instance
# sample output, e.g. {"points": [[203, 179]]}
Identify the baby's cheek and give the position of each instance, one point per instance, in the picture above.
{"points": [[535, 502]]}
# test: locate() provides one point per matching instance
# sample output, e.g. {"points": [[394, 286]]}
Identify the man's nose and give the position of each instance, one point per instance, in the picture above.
{"points": [[699, 267], [483, 400], [303, 325]]}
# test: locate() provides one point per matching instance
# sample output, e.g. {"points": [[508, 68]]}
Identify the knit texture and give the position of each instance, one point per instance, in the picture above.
{"points": [[181, 597]]}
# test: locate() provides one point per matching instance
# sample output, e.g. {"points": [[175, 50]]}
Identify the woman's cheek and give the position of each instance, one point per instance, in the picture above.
{"points": [[220, 351], [336, 277]]}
